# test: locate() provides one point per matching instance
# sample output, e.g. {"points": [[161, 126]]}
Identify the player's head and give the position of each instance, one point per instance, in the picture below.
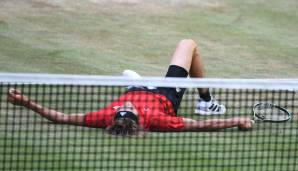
{"points": [[126, 122]]}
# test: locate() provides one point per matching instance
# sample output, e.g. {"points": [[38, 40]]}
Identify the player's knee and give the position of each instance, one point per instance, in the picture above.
{"points": [[187, 43]]}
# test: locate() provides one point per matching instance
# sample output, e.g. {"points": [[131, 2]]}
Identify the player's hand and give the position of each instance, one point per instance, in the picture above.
{"points": [[245, 124], [17, 98]]}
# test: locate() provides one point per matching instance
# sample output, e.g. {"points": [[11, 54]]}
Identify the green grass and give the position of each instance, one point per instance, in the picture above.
{"points": [[237, 39], [29, 142], [96, 37]]}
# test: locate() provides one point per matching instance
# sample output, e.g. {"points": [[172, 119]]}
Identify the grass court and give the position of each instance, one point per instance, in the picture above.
{"points": [[237, 39]]}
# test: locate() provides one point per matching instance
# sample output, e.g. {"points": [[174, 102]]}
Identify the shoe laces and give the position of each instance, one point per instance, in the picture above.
{"points": [[215, 106]]}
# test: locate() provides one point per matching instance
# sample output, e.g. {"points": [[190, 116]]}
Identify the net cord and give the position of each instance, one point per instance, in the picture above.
{"points": [[64, 79]]}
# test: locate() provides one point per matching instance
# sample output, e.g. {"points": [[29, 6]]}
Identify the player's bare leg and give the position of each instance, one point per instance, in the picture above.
{"points": [[187, 56]]}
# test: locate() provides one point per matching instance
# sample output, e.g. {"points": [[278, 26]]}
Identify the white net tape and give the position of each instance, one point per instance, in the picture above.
{"points": [[62, 79]]}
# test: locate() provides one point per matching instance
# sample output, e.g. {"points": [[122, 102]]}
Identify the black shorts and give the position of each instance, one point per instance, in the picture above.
{"points": [[173, 94]]}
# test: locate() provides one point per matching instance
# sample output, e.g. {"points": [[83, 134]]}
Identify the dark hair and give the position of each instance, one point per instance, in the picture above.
{"points": [[125, 127]]}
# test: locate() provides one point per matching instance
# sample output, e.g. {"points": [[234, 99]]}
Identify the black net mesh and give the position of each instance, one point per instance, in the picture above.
{"points": [[31, 142]]}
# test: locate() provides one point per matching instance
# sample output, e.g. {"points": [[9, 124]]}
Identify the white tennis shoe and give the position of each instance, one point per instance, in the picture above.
{"points": [[132, 74], [209, 108]]}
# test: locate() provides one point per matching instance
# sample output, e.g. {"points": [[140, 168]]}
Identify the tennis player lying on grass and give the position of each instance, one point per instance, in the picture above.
{"points": [[148, 109]]}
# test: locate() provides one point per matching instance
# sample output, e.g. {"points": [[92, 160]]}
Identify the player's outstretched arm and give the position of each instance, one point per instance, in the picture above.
{"points": [[17, 98], [242, 123]]}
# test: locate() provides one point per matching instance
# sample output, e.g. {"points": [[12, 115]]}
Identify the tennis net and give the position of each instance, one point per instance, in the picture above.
{"points": [[30, 142]]}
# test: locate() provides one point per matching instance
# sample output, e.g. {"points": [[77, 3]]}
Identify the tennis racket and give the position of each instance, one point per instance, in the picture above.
{"points": [[268, 112]]}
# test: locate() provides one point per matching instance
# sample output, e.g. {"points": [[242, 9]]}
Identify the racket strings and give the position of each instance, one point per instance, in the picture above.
{"points": [[271, 113]]}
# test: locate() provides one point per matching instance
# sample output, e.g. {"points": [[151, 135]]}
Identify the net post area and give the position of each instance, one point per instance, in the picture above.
{"points": [[66, 122]]}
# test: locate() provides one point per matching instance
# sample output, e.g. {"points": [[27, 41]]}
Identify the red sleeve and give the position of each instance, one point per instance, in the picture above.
{"points": [[100, 119], [166, 123]]}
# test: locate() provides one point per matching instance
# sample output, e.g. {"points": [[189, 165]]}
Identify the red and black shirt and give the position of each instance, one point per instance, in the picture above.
{"points": [[156, 112]]}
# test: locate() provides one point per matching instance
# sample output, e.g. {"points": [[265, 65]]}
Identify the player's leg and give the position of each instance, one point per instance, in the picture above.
{"points": [[187, 56], [183, 54]]}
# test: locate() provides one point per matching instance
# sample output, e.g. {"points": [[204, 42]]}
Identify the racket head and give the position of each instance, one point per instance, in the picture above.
{"points": [[268, 112]]}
